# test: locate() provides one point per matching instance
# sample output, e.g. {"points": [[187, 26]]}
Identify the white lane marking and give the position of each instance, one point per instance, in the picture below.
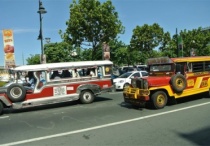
{"points": [[4, 117], [101, 126]]}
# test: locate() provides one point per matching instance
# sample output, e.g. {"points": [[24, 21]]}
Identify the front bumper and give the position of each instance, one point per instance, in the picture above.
{"points": [[118, 86], [135, 95]]}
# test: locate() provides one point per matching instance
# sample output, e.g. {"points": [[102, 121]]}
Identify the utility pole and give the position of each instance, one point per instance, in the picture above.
{"points": [[177, 43]]}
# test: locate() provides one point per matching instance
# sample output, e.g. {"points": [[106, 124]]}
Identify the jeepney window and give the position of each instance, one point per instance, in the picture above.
{"points": [[207, 66], [198, 66], [108, 69], [66, 73], [55, 74], [181, 67], [160, 67]]}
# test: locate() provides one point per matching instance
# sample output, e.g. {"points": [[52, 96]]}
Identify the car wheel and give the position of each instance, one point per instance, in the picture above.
{"points": [[86, 97], [159, 99]]}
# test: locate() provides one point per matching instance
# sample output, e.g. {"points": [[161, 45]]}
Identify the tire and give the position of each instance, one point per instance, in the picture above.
{"points": [[16, 92], [178, 83], [159, 99], [86, 97], [1, 108], [126, 85]]}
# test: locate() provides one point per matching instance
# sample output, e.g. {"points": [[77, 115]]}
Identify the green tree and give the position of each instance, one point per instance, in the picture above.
{"points": [[58, 52], [196, 39], [33, 59], [146, 38], [90, 24]]}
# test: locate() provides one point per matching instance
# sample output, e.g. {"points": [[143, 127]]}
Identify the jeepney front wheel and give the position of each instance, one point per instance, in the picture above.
{"points": [[86, 97], [1, 108], [126, 85], [159, 99]]}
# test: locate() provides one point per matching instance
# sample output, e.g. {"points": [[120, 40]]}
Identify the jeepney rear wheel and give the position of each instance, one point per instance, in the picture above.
{"points": [[159, 99], [16, 92], [1, 108], [86, 97], [178, 83]]}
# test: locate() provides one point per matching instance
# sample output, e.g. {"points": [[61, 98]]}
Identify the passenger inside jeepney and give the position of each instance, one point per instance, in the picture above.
{"points": [[66, 74], [31, 79], [76, 74], [55, 75]]}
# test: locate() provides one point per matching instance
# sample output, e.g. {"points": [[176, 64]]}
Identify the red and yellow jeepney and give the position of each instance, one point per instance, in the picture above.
{"points": [[170, 78]]}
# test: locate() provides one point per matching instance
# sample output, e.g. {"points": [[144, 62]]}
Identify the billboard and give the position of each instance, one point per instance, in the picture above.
{"points": [[8, 44], [106, 51]]}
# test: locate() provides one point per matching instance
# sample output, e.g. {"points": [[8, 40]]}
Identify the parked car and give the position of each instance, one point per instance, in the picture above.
{"points": [[125, 79], [125, 69]]}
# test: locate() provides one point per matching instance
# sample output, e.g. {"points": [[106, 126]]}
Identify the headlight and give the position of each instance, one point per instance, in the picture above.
{"points": [[145, 84], [121, 81]]}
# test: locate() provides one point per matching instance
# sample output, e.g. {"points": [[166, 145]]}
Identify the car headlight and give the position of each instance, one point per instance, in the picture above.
{"points": [[145, 84], [121, 81]]}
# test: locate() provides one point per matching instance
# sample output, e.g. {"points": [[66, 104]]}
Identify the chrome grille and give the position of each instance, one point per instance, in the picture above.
{"points": [[137, 83]]}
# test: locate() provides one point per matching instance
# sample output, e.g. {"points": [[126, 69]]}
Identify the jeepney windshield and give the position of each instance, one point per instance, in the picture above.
{"points": [[160, 68]]}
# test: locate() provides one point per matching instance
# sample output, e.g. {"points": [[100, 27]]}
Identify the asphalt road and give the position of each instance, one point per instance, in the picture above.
{"points": [[110, 122]]}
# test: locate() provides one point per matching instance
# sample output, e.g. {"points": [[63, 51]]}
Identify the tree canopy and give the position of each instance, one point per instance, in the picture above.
{"points": [[91, 23]]}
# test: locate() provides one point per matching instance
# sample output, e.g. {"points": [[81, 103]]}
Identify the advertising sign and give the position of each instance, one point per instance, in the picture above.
{"points": [[106, 51], [8, 43]]}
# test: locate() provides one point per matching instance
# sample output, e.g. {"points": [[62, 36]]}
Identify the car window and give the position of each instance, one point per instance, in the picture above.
{"points": [[136, 75], [144, 73], [125, 75]]}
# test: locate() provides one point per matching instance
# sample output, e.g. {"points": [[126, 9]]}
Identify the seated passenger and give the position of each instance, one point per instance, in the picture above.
{"points": [[92, 72], [55, 75], [76, 73], [66, 74], [31, 80]]}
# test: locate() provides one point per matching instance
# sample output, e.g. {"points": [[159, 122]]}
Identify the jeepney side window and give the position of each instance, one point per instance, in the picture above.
{"points": [[207, 66], [198, 66], [108, 69], [181, 67]]}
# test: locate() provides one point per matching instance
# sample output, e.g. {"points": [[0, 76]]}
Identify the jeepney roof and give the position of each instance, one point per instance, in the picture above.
{"points": [[61, 65], [159, 60], [191, 59], [165, 60]]}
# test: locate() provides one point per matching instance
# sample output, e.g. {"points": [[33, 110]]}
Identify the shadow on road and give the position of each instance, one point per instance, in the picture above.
{"points": [[52, 106], [171, 102]]}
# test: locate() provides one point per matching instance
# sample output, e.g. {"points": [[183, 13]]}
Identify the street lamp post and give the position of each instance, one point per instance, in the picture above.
{"points": [[40, 37]]}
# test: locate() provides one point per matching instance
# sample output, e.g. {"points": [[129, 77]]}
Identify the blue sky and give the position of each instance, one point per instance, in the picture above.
{"points": [[21, 16]]}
